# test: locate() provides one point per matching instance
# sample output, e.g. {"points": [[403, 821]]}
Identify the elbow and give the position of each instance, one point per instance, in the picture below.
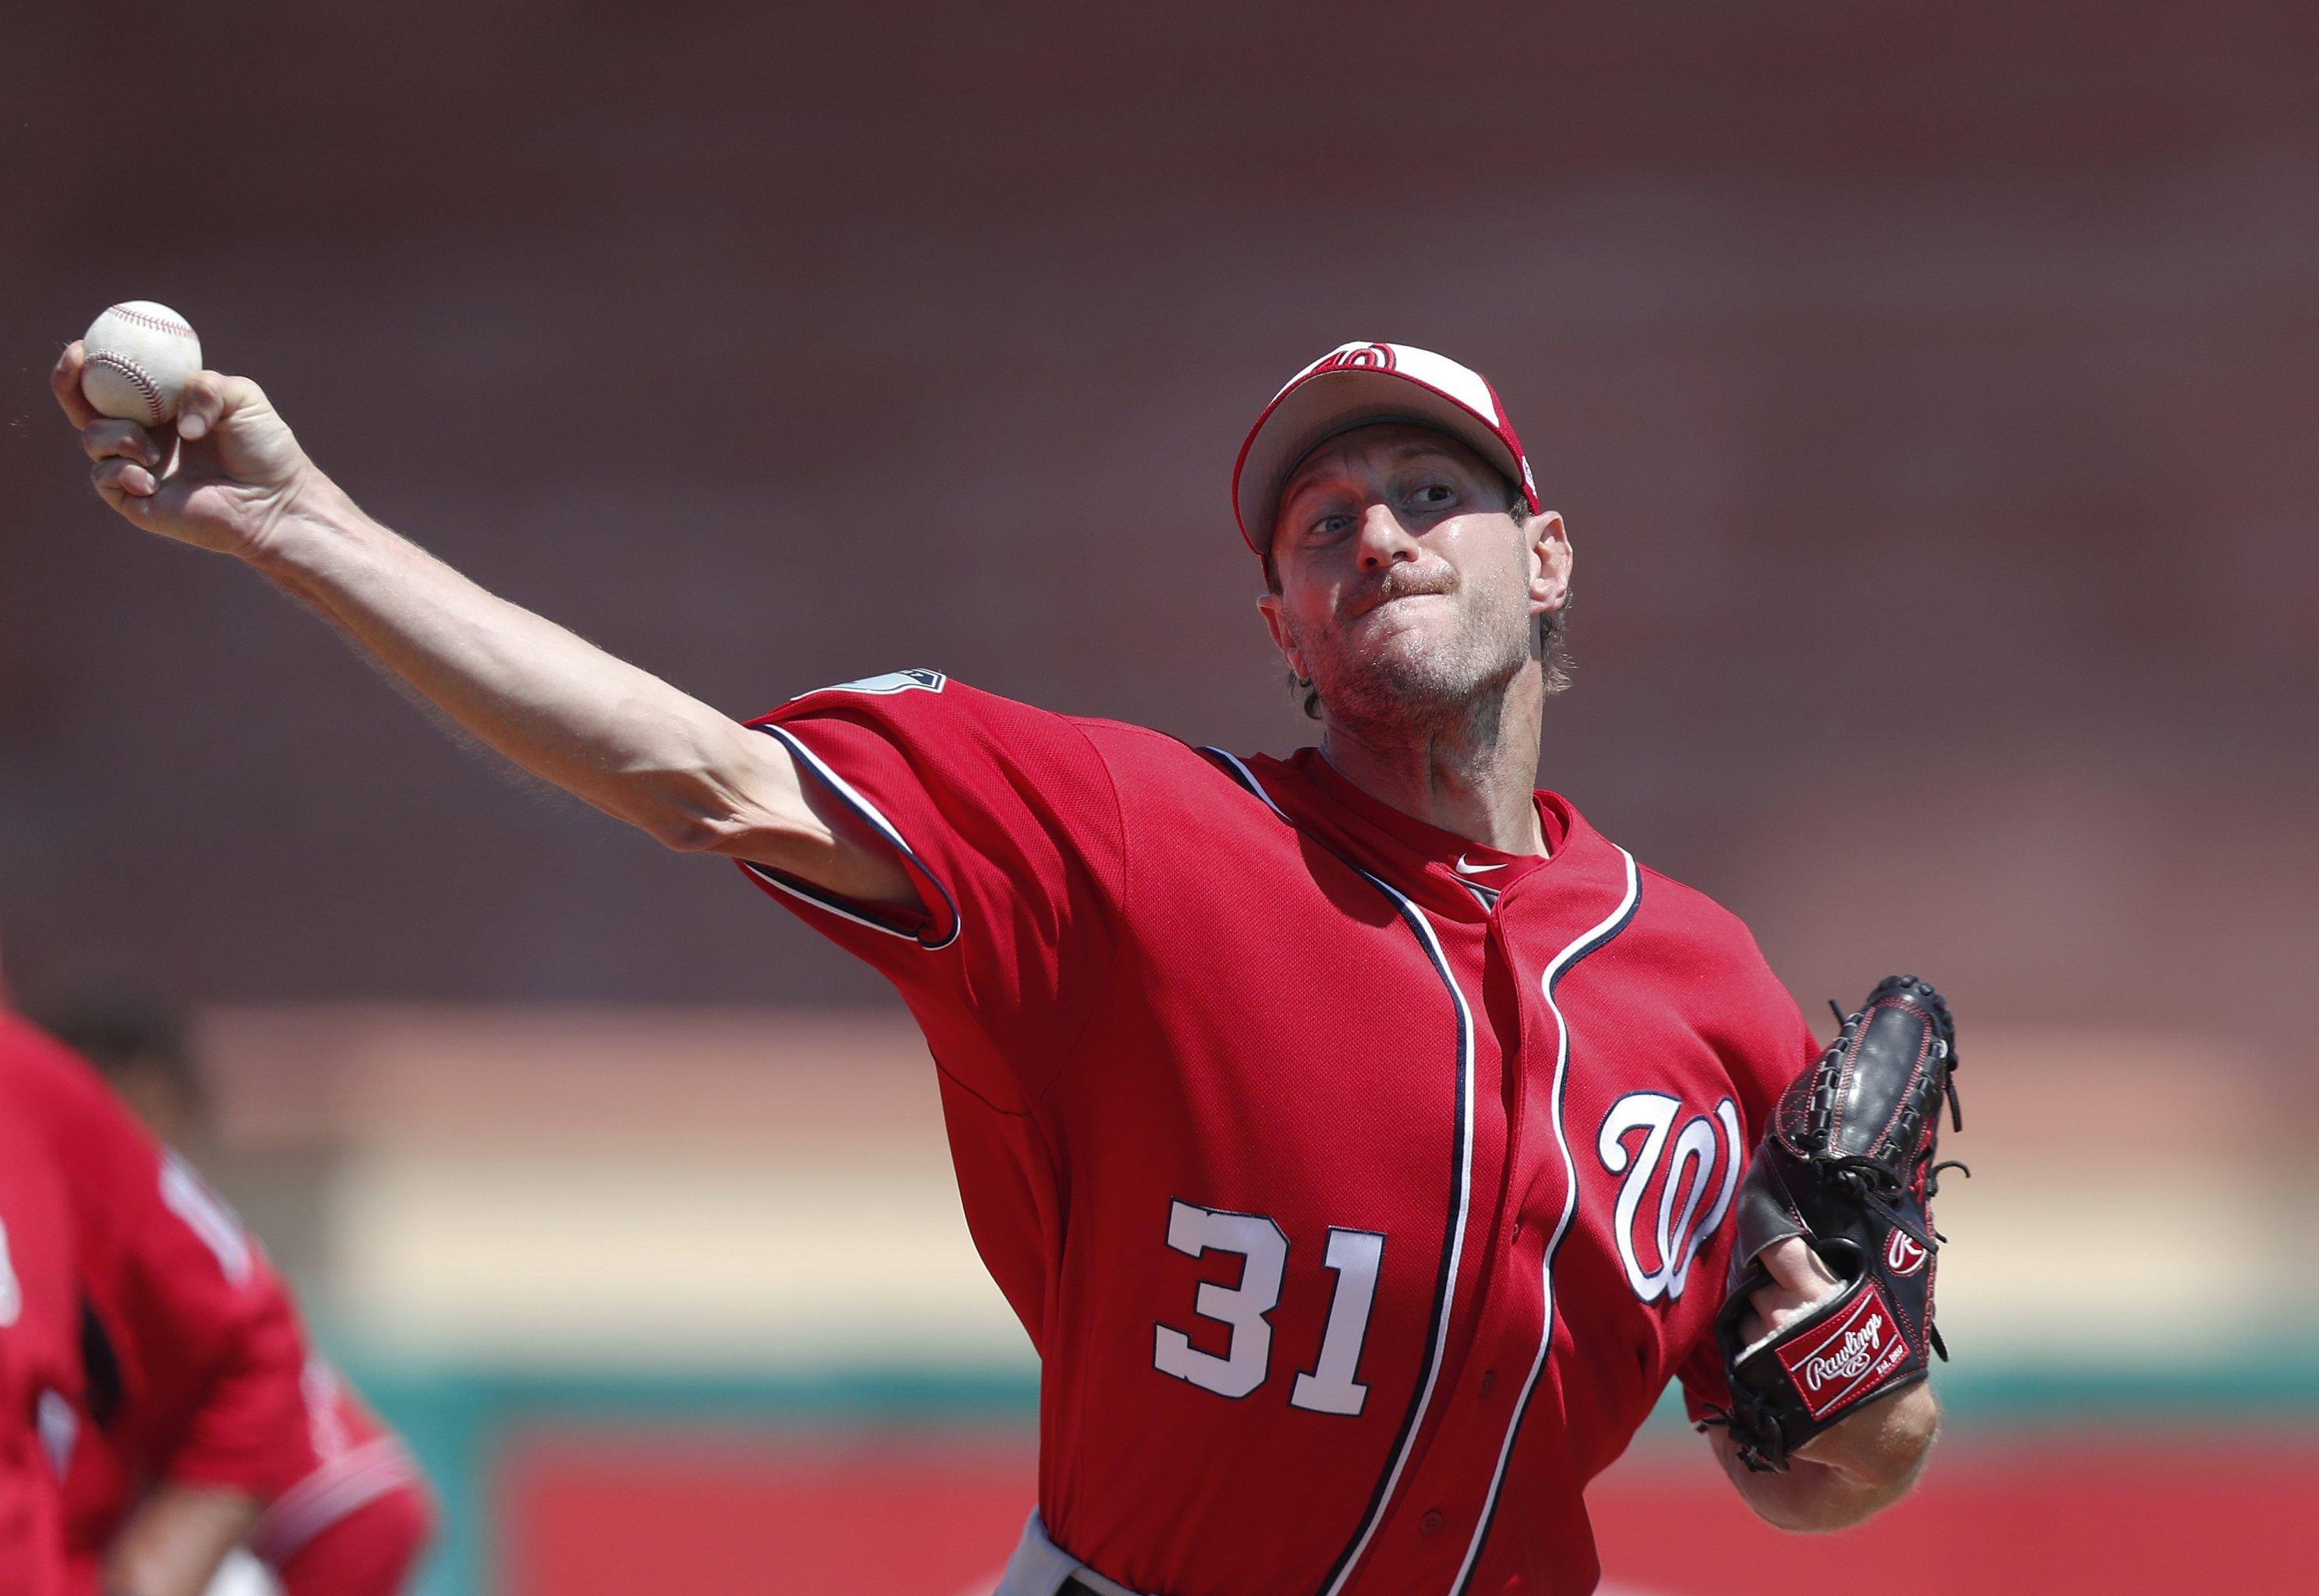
{"points": [[686, 827], [730, 800], [689, 830], [711, 799], [683, 831], [683, 812]]}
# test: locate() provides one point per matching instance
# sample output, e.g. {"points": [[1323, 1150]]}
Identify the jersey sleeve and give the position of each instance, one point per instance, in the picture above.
{"points": [[1764, 1043], [362, 1503], [245, 1430], [204, 1339], [1007, 821], [1705, 1387]]}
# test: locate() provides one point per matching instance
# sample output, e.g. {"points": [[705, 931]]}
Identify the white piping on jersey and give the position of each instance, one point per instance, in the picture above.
{"points": [[830, 902], [188, 1196], [1586, 942], [349, 1480], [1248, 780], [1415, 1420], [1417, 921]]}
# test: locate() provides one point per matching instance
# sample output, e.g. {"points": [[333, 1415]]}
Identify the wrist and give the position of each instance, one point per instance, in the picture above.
{"points": [[1882, 1444], [313, 515]]}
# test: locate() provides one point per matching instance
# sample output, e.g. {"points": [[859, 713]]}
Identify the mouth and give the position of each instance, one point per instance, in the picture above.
{"points": [[1376, 603]]}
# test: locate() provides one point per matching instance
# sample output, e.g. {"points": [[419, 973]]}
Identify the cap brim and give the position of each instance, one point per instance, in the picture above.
{"points": [[1333, 401]]}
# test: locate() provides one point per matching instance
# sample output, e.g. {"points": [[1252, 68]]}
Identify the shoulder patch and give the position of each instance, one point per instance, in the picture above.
{"points": [[893, 681]]}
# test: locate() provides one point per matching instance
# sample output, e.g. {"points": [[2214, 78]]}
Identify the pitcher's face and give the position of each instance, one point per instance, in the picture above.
{"points": [[1407, 588]]}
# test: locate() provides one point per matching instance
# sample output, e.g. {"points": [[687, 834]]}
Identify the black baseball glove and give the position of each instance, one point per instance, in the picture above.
{"points": [[1847, 1164]]}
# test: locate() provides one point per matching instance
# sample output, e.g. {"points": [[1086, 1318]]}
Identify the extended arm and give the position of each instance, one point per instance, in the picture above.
{"points": [[1860, 1466], [233, 480]]}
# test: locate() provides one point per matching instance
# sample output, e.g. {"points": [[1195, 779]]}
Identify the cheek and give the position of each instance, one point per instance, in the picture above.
{"points": [[1305, 604], [1300, 630], [1496, 573]]}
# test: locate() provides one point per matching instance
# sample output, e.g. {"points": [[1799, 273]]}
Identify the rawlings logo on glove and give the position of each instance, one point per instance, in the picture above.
{"points": [[1847, 1164], [1863, 1346]]}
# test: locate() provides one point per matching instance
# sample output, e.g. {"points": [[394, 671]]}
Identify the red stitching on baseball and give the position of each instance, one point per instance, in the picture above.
{"points": [[151, 323], [135, 373]]}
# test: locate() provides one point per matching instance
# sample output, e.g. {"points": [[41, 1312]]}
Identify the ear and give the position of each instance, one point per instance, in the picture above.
{"points": [[1268, 605], [1549, 562]]}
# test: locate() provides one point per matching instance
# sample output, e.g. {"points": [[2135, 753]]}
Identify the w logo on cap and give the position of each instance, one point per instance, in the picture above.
{"points": [[1357, 357]]}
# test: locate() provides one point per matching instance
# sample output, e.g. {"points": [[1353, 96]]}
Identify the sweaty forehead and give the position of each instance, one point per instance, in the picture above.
{"points": [[1377, 446]]}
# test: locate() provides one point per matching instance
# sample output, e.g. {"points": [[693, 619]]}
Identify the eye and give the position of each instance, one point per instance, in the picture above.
{"points": [[1333, 526], [1434, 494]]}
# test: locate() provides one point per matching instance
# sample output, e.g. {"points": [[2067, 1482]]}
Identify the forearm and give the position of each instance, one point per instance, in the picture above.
{"points": [[614, 735], [234, 481], [172, 1542], [1849, 1472]]}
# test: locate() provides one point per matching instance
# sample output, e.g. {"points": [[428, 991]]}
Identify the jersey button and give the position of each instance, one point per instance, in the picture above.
{"points": [[1432, 1523], [1489, 1381]]}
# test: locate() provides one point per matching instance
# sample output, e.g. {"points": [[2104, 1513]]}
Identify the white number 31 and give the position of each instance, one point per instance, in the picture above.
{"points": [[1329, 1386]]}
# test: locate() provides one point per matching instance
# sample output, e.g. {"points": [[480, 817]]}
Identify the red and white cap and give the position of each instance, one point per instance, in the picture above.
{"points": [[1355, 385]]}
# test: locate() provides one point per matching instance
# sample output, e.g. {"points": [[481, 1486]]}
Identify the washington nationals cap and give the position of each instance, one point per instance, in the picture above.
{"points": [[1355, 385]]}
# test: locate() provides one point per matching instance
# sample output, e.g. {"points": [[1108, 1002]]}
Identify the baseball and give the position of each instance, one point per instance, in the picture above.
{"points": [[139, 355]]}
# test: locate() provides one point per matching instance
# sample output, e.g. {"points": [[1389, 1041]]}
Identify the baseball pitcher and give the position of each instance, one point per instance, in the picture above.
{"points": [[1364, 1140]]}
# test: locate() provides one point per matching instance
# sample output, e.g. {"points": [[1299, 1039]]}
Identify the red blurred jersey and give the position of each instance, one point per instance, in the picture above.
{"points": [[196, 1369], [358, 1517], [40, 1323], [1360, 1187]]}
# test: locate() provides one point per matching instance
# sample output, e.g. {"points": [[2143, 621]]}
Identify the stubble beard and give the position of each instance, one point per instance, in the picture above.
{"points": [[1429, 690]]}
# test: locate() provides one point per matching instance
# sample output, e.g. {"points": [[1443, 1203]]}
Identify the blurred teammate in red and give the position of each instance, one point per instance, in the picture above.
{"points": [[40, 1353], [199, 1419]]}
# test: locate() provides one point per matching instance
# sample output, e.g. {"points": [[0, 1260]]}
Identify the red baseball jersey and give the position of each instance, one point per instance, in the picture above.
{"points": [[191, 1364], [40, 1324], [353, 1521], [1360, 1187], [358, 1517]]}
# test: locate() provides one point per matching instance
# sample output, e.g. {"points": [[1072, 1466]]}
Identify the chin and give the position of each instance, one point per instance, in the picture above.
{"points": [[1400, 630], [1402, 678], [1416, 668]]}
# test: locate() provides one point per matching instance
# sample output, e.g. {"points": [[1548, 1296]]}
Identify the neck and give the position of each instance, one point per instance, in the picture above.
{"points": [[1470, 772]]}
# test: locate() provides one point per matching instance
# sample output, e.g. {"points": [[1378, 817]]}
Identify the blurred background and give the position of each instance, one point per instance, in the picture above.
{"points": [[1932, 399]]}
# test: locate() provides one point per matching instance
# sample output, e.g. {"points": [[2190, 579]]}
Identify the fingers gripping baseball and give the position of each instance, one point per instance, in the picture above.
{"points": [[1799, 1282], [218, 478]]}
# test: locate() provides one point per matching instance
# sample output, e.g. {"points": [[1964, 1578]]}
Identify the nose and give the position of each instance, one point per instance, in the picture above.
{"points": [[1384, 539]]}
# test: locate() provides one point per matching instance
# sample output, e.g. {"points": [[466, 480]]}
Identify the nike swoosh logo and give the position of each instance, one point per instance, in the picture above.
{"points": [[1462, 868]]}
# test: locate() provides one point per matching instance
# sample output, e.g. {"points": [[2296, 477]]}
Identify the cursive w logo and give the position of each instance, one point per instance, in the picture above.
{"points": [[1669, 1232], [1359, 356]]}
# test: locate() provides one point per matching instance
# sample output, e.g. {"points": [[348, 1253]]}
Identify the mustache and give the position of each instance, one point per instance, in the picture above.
{"points": [[1398, 581]]}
